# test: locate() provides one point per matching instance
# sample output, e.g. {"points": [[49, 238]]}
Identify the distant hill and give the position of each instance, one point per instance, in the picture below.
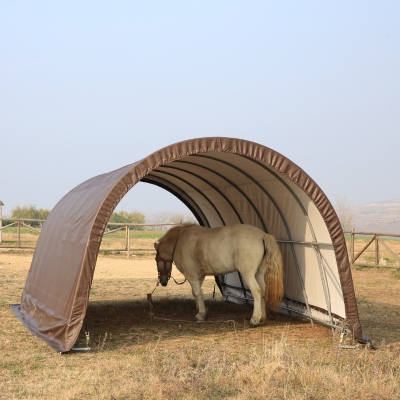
{"points": [[378, 217]]}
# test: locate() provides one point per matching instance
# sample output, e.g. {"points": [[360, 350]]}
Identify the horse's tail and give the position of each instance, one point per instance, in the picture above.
{"points": [[274, 277]]}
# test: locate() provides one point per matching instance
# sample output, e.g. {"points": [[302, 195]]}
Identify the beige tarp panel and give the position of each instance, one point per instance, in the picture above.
{"points": [[223, 181]]}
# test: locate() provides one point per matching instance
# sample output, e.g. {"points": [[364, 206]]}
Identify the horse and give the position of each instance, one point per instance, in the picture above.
{"points": [[198, 252]]}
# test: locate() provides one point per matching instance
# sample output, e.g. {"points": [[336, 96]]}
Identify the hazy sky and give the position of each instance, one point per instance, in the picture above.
{"points": [[88, 87]]}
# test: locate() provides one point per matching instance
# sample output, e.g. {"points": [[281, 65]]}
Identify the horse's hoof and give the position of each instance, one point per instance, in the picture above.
{"points": [[254, 323], [200, 317]]}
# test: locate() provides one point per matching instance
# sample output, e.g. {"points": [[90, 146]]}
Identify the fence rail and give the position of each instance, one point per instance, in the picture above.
{"points": [[21, 222], [376, 237]]}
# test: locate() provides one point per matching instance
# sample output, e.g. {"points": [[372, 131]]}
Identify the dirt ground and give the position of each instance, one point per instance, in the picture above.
{"points": [[114, 277], [107, 267]]}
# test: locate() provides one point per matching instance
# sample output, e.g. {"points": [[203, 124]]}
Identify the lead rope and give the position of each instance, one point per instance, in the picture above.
{"points": [[178, 283], [158, 282]]}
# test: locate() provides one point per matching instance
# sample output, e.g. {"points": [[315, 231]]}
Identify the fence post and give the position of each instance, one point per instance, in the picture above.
{"points": [[19, 234], [1, 222], [376, 250], [128, 244], [352, 246]]}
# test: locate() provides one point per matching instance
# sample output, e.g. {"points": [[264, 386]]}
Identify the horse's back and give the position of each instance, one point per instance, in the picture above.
{"points": [[220, 250]]}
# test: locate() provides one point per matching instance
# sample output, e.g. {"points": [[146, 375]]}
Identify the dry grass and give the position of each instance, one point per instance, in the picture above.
{"points": [[28, 237], [135, 358]]}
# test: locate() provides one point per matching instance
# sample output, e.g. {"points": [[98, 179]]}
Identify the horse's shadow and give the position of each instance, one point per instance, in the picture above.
{"points": [[125, 323]]}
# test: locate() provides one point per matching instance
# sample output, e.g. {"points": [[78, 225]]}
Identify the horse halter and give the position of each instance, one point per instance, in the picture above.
{"points": [[166, 271]]}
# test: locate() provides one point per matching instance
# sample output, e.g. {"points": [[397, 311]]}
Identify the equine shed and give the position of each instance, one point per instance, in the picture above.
{"points": [[222, 181]]}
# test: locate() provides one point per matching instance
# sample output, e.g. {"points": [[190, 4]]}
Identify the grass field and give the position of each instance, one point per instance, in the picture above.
{"points": [[173, 357]]}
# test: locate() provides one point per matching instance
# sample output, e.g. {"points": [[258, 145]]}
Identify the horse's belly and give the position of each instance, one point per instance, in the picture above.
{"points": [[217, 268]]}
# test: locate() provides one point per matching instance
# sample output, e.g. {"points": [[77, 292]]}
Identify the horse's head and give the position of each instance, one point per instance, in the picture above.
{"points": [[164, 267]]}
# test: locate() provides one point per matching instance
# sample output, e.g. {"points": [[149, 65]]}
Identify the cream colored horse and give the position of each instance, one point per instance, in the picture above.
{"points": [[198, 252]]}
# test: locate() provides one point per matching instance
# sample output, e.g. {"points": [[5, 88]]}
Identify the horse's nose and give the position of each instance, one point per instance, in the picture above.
{"points": [[164, 283]]}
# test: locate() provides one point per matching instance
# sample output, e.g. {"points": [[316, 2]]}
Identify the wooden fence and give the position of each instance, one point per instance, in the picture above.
{"points": [[123, 226], [376, 238], [19, 223]]}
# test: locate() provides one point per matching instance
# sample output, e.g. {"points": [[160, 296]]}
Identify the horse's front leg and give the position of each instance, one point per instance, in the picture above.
{"points": [[198, 297]]}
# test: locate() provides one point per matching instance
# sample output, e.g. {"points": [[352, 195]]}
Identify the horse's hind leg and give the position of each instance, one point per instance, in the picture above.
{"points": [[198, 297], [260, 277], [257, 296]]}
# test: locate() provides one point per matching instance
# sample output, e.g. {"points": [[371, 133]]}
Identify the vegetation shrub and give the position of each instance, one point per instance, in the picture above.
{"points": [[29, 211], [133, 217]]}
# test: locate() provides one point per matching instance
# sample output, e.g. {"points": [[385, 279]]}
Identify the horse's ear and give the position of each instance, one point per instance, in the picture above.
{"points": [[156, 245]]}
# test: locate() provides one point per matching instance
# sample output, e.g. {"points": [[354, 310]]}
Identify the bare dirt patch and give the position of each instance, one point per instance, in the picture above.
{"points": [[107, 267]]}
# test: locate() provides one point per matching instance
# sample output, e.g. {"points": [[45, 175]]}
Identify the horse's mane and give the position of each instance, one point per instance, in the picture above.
{"points": [[174, 232]]}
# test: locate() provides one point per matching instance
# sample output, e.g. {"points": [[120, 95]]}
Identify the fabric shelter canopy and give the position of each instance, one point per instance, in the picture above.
{"points": [[223, 181]]}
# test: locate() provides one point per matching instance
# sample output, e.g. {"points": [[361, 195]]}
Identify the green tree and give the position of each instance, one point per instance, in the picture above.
{"points": [[133, 217], [30, 211]]}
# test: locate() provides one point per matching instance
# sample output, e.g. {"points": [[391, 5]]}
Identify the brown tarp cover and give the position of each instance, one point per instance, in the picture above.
{"points": [[223, 181]]}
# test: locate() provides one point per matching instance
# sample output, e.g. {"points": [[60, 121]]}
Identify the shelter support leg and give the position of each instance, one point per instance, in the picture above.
{"points": [[301, 283], [243, 288], [287, 305], [324, 283]]}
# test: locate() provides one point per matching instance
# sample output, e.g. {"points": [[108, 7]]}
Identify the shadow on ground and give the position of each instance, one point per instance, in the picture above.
{"points": [[128, 323], [380, 321]]}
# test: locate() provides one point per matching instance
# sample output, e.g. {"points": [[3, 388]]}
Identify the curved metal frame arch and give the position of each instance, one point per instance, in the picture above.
{"points": [[233, 185], [202, 219], [193, 187], [210, 184]]}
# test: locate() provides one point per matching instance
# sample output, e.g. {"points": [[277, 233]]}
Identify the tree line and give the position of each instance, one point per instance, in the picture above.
{"points": [[30, 211]]}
